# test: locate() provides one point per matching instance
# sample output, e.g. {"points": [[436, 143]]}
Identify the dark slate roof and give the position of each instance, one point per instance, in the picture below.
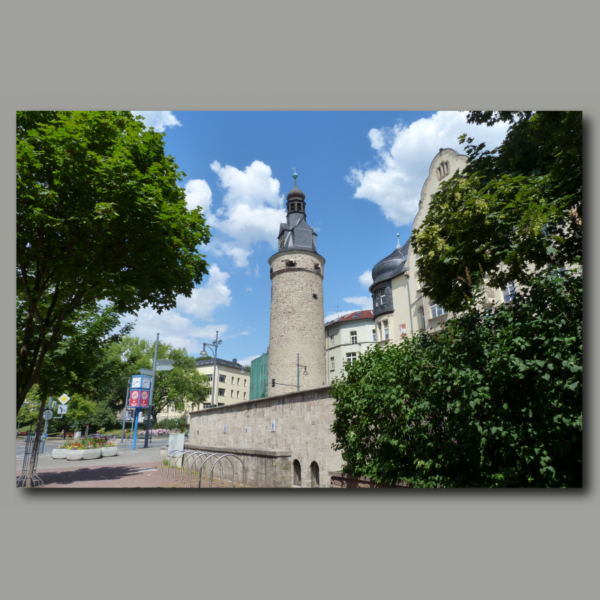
{"points": [[391, 265], [221, 362], [295, 193], [354, 316]]}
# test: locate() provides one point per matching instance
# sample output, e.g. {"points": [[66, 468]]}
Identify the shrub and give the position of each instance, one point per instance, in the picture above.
{"points": [[493, 400]]}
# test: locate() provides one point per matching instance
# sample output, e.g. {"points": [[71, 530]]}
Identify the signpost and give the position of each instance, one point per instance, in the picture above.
{"points": [[157, 365], [138, 399]]}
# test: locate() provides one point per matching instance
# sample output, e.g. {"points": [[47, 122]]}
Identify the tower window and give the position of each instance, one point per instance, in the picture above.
{"points": [[374, 335], [331, 363], [380, 297], [317, 267], [386, 330], [353, 337], [315, 296], [297, 473]]}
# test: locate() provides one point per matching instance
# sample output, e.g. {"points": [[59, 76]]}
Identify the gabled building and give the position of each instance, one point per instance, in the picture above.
{"points": [[346, 338]]}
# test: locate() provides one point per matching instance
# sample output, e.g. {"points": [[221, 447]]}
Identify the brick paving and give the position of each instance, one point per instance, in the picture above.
{"points": [[138, 475]]}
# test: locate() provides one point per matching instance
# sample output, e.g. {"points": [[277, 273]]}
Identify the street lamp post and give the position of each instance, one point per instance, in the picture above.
{"points": [[215, 347]]}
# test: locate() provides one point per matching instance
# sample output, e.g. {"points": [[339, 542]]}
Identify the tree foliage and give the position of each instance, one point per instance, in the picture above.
{"points": [[99, 217], [510, 212], [176, 387], [493, 400]]}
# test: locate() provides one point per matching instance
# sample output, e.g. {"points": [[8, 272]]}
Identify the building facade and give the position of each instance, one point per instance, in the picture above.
{"points": [[259, 373], [346, 339], [399, 305], [297, 316], [232, 385]]}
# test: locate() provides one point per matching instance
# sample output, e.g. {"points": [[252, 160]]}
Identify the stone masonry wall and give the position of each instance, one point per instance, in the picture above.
{"points": [[302, 426], [297, 321]]}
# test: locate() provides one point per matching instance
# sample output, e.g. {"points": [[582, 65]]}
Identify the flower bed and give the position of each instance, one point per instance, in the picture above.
{"points": [[86, 449]]}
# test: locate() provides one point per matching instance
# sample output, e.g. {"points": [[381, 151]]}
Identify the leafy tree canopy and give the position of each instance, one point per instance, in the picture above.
{"points": [[99, 217], [493, 400], [512, 210]]}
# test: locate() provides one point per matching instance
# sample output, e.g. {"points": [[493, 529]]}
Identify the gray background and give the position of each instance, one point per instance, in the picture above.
{"points": [[322, 56]]}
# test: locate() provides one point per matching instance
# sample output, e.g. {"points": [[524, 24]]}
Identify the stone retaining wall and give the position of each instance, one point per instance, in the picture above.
{"points": [[295, 424]]}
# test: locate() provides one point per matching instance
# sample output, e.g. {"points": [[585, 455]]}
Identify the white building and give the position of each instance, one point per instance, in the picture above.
{"points": [[399, 306], [233, 385], [346, 338]]}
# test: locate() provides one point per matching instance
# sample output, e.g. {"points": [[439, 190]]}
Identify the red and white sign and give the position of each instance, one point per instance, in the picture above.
{"points": [[144, 399], [403, 329], [134, 398]]}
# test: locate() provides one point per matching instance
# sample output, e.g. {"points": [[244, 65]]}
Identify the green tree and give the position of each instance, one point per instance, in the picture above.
{"points": [[493, 400], [511, 211], [176, 387], [99, 217]]}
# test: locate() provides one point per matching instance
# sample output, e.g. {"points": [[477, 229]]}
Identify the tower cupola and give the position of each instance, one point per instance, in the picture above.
{"points": [[295, 198]]}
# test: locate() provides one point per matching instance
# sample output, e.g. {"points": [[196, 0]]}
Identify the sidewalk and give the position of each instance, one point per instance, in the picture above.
{"points": [[82, 474]]}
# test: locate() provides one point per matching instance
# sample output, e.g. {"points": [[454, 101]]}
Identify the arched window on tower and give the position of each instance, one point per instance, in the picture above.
{"points": [[314, 475], [297, 473]]}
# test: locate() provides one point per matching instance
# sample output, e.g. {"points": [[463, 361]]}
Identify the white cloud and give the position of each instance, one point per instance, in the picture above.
{"points": [[199, 194], [178, 326], [206, 298], [366, 279], [404, 155], [246, 361], [159, 119], [364, 302], [251, 212], [174, 329], [248, 289], [256, 271]]}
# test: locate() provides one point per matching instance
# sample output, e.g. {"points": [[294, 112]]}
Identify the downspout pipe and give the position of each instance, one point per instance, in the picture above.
{"points": [[409, 306]]}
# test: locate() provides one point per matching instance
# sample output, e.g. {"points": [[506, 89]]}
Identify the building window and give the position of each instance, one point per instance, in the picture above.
{"points": [[232, 380], [245, 381], [422, 318], [331, 341], [297, 473], [238, 381], [222, 378], [386, 330], [314, 475], [244, 395], [379, 326], [509, 292], [221, 392], [437, 311], [237, 394], [332, 363], [380, 297], [351, 357], [232, 393], [353, 337], [210, 378], [374, 335]]}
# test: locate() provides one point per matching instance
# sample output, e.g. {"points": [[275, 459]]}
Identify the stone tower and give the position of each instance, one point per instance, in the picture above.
{"points": [[297, 317]]}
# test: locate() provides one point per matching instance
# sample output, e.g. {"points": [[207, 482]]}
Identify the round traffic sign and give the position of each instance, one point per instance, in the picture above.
{"points": [[48, 414]]}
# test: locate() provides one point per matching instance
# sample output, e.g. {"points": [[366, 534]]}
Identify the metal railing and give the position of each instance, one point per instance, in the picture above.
{"points": [[28, 458]]}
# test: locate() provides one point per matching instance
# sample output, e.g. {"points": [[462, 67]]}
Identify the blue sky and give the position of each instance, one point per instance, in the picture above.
{"points": [[362, 173]]}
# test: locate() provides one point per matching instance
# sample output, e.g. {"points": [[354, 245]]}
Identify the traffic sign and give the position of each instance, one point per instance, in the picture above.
{"points": [[62, 410], [53, 403], [144, 399], [134, 398], [47, 415], [64, 399], [146, 371], [164, 365]]}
